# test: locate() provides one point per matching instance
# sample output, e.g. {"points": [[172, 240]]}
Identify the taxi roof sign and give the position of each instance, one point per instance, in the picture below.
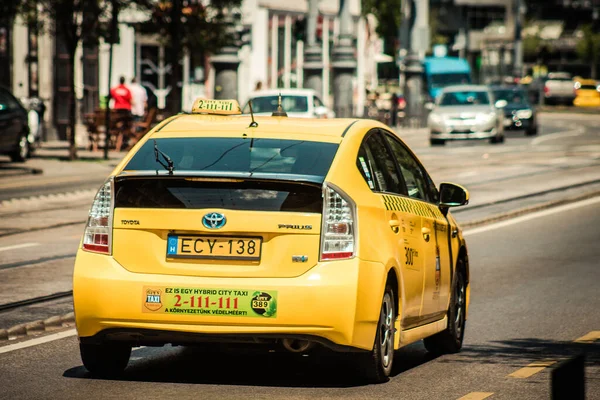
{"points": [[216, 107]]}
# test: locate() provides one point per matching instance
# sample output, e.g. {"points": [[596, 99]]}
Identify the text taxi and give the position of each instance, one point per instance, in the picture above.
{"points": [[291, 232]]}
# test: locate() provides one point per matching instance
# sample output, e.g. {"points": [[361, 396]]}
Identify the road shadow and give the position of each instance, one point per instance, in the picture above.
{"points": [[520, 352], [8, 168], [191, 365]]}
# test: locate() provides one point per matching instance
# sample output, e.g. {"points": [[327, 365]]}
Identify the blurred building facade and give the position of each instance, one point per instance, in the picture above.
{"points": [[272, 55]]}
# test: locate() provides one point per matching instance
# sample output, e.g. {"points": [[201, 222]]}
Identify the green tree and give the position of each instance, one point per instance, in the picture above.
{"points": [[389, 17], [198, 27], [588, 48]]}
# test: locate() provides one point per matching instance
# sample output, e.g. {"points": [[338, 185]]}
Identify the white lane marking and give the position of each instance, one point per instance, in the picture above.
{"points": [[36, 341], [18, 246], [557, 135], [72, 332], [550, 211]]}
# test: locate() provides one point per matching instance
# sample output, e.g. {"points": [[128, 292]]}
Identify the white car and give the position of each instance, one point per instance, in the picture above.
{"points": [[465, 112], [301, 103]]}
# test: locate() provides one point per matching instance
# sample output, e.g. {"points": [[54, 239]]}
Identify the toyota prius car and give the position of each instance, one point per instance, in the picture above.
{"points": [[287, 233]]}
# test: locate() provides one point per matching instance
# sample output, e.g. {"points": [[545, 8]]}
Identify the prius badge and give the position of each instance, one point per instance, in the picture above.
{"points": [[214, 220]]}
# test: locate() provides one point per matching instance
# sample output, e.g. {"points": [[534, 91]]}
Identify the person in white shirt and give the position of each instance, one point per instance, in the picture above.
{"points": [[139, 99]]}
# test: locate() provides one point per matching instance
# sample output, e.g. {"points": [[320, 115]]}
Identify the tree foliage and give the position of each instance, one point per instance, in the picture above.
{"points": [[389, 17], [588, 47]]}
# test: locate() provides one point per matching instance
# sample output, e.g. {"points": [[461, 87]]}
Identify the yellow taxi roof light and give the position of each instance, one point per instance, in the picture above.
{"points": [[216, 107]]}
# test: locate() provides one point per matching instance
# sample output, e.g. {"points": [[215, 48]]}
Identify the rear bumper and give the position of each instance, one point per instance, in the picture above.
{"points": [[335, 303], [464, 136]]}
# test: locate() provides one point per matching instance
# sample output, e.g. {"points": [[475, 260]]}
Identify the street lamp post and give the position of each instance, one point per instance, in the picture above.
{"points": [[518, 46], [313, 63], [344, 64]]}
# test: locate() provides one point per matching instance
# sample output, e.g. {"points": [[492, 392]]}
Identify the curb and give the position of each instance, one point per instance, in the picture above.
{"points": [[37, 327], [527, 210]]}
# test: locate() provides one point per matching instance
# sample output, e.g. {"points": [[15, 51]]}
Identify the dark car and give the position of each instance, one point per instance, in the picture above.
{"points": [[14, 128], [519, 113]]}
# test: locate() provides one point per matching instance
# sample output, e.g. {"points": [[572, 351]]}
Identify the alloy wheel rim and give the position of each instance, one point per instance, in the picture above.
{"points": [[386, 345], [460, 301]]}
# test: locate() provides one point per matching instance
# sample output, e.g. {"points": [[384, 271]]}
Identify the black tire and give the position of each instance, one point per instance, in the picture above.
{"points": [[105, 360], [497, 139], [437, 142], [450, 340], [377, 364], [22, 152], [531, 131]]}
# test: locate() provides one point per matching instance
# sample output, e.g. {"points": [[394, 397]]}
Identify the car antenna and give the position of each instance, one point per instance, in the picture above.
{"points": [[253, 124], [280, 112]]}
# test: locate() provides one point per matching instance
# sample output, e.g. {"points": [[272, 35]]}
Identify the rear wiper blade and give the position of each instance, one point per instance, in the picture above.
{"points": [[169, 165]]}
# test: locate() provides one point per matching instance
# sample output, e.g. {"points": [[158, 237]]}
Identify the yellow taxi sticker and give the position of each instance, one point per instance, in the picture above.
{"points": [[209, 302], [217, 107]]}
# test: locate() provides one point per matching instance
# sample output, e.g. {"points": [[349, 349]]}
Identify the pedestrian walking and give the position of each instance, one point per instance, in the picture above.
{"points": [[121, 96], [139, 98]]}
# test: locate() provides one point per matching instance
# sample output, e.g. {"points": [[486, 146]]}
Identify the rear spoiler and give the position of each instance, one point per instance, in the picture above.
{"points": [[306, 179]]}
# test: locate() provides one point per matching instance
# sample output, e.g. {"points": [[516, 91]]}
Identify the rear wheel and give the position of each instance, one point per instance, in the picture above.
{"points": [[22, 151], [437, 142], [105, 360], [450, 340], [532, 131], [377, 364]]}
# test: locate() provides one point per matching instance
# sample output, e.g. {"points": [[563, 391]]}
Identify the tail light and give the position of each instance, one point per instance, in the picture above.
{"points": [[97, 236], [546, 90], [401, 103], [338, 234]]}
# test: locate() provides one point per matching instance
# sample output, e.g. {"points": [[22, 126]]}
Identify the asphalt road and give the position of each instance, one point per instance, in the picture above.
{"points": [[534, 292]]}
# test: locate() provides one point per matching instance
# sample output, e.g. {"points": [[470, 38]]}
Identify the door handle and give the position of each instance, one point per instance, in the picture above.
{"points": [[454, 233], [426, 234], [395, 225]]}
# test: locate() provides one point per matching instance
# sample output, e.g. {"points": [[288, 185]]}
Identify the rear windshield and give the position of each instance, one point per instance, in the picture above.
{"points": [[194, 193], [269, 104], [237, 155], [464, 98]]}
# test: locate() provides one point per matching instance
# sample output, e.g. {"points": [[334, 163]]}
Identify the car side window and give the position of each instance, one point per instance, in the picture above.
{"points": [[317, 102], [375, 160], [416, 181]]}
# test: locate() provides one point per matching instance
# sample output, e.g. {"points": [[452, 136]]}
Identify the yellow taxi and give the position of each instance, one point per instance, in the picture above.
{"points": [[588, 93], [286, 232]]}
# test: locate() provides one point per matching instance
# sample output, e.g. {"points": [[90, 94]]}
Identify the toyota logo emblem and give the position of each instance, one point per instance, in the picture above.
{"points": [[214, 220]]}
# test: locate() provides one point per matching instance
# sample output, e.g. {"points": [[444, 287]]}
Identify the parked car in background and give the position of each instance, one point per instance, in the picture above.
{"points": [[465, 112], [556, 88], [519, 113], [301, 103], [14, 128], [588, 93]]}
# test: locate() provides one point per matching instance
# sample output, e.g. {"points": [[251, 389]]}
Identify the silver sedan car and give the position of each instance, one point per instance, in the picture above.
{"points": [[466, 112]]}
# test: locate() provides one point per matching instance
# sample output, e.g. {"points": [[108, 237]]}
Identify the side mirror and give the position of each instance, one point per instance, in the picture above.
{"points": [[429, 105], [452, 195], [321, 112], [501, 104]]}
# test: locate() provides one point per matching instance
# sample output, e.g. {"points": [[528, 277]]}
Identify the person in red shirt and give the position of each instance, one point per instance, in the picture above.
{"points": [[121, 96], [121, 104]]}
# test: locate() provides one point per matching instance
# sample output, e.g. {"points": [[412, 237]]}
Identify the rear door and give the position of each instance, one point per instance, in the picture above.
{"points": [[234, 207], [432, 241], [402, 227]]}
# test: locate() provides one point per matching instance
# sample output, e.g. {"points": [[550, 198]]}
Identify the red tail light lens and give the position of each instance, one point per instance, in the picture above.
{"points": [[338, 234], [97, 236]]}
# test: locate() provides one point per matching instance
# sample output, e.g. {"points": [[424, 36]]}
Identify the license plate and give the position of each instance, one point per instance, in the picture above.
{"points": [[176, 300], [214, 247]]}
